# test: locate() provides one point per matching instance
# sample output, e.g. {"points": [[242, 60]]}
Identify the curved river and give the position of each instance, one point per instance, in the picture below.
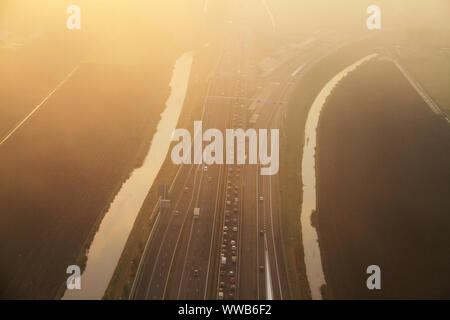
{"points": [[314, 270], [110, 239]]}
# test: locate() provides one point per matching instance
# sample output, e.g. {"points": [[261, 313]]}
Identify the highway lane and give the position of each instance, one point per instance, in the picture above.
{"points": [[268, 258], [167, 238], [265, 214], [180, 244], [159, 230], [200, 238], [252, 284], [208, 239], [172, 240], [197, 236]]}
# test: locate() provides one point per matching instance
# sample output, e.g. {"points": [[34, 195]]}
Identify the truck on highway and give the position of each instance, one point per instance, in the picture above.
{"points": [[196, 213]]}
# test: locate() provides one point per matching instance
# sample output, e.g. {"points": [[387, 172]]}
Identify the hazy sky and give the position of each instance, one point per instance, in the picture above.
{"points": [[161, 12]]}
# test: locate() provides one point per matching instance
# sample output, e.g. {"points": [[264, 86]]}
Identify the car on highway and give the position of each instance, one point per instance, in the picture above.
{"points": [[235, 229], [261, 198]]}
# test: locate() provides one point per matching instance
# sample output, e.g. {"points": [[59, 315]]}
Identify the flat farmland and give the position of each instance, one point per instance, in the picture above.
{"points": [[383, 188], [62, 168]]}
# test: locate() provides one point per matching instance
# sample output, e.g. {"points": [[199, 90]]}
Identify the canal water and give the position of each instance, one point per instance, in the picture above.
{"points": [[110, 239], [314, 270]]}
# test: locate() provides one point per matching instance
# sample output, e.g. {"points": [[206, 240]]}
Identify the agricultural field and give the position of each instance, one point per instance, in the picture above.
{"points": [[383, 188], [102, 94]]}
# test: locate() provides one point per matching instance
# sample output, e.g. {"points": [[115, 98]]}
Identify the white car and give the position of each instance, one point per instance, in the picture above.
{"points": [[261, 198]]}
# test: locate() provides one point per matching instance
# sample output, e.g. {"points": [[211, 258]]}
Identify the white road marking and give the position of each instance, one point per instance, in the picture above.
{"points": [[273, 239], [269, 288], [38, 106], [272, 19], [298, 70], [433, 106]]}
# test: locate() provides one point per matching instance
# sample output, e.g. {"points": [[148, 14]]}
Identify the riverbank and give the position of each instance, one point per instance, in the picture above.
{"points": [[61, 172], [291, 152], [122, 280]]}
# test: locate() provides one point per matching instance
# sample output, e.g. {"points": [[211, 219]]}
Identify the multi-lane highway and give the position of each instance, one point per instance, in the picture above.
{"points": [[233, 250]]}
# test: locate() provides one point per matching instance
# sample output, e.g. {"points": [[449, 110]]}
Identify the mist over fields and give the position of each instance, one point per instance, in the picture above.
{"points": [[59, 173]]}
